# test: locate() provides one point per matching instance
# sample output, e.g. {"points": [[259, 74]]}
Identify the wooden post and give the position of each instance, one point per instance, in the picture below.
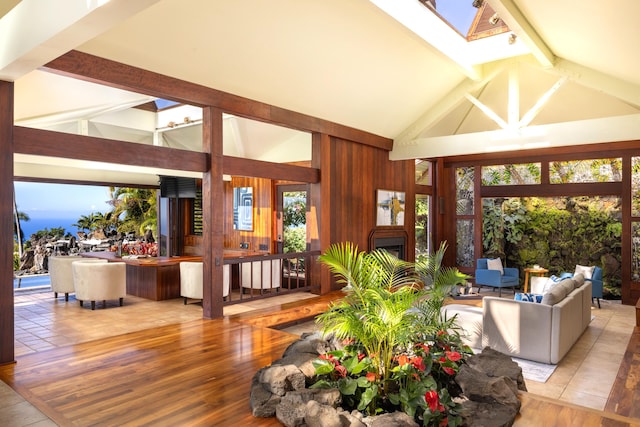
{"points": [[7, 346], [212, 220]]}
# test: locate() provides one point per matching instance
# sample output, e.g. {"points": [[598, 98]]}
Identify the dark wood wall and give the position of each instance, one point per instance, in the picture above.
{"points": [[357, 172]]}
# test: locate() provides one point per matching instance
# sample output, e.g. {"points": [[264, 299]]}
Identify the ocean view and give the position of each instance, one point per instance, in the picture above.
{"points": [[36, 224]]}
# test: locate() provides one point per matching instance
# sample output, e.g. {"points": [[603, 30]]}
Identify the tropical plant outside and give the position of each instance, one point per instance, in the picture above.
{"points": [[294, 219], [398, 353]]}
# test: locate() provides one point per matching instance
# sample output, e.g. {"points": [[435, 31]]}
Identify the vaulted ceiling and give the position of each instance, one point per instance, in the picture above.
{"points": [[570, 76]]}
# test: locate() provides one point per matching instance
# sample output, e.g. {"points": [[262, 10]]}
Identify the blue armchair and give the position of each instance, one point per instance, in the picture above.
{"points": [[493, 278], [596, 283]]}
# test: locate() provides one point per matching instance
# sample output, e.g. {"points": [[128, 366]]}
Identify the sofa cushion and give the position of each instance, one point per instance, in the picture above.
{"points": [[528, 297], [579, 279], [558, 292], [585, 270], [495, 264], [551, 282]]}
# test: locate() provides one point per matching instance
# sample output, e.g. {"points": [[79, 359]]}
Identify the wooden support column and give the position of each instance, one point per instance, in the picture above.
{"points": [[319, 218], [7, 346], [212, 215]]}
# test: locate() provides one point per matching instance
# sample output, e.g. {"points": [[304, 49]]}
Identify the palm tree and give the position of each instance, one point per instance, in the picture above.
{"points": [[136, 208], [84, 223], [17, 230]]}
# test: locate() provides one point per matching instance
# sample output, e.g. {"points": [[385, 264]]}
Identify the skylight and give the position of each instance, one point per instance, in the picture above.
{"points": [[443, 29], [458, 13]]}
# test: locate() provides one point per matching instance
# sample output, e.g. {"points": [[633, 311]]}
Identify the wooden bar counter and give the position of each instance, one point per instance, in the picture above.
{"points": [[154, 278]]}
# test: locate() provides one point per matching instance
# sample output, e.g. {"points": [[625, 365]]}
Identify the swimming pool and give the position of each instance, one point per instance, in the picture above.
{"points": [[31, 281]]}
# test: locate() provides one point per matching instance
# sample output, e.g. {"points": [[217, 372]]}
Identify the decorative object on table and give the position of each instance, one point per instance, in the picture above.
{"points": [[137, 248], [490, 272]]}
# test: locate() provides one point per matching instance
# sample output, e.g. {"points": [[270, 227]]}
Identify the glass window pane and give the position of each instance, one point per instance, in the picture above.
{"points": [[635, 251], [635, 186], [590, 170], [464, 243], [423, 225], [423, 172], [519, 174], [464, 191]]}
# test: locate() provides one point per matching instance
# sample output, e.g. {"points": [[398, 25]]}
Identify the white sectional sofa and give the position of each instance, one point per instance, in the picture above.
{"points": [[542, 332]]}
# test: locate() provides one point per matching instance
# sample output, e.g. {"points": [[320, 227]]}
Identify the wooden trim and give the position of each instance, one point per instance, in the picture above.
{"points": [[64, 145], [237, 166], [91, 68], [551, 190], [572, 152], [77, 182], [6, 223]]}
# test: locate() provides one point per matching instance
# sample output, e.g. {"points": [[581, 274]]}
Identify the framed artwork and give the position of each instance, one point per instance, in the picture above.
{"points": [[390, 208]]}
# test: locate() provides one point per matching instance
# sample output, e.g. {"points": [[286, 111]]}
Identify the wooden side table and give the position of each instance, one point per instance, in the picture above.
{"points": [[534, 272]]}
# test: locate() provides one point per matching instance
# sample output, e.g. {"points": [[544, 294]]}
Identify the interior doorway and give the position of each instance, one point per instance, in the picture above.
{"points": [[291, 218]]}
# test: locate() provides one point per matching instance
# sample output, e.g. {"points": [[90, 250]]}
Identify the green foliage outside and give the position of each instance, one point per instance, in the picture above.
{"points": [[401, 357], [422, 225], [556, 233], [294, 218]]}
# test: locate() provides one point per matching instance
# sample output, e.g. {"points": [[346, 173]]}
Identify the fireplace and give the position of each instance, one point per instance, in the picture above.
{"points": [[392, 240]]}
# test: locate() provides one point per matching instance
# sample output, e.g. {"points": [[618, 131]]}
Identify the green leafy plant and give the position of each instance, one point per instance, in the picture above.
{"points": [[398, 355]]}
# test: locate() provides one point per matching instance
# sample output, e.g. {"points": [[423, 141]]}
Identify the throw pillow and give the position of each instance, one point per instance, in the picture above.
{"points": [[495, 264], [587, 272], [521, 296], [551, 282]]}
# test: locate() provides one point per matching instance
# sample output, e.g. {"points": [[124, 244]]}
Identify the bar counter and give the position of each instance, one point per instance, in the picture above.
{"points": [[154, 278], [158, 278]]}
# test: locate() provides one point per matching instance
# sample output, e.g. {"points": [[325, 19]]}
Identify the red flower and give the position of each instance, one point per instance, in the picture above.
{"points": [[423, 347], [330, 358], [418, 363], [442, 360], [433, 400], [403, 359], [454, 356], [341, 370], [441, 333], [360, 356], [448, 370], [444, 422], [371, 377]]}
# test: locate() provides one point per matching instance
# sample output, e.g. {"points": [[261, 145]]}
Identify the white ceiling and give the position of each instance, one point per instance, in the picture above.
{"points": [[349, 62]]}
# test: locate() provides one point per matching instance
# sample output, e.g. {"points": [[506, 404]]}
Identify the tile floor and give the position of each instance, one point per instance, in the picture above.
{"points": [[583, 377]]}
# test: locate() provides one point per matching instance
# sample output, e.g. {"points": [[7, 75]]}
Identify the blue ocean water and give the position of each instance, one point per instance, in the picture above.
{"points": [[36, 224]]}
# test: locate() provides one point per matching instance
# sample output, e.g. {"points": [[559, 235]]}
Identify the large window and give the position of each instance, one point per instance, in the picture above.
{"points": [[465, 251]]}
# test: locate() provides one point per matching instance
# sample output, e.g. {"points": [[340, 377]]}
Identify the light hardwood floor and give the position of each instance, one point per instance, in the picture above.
{"points": [[51, 333]]}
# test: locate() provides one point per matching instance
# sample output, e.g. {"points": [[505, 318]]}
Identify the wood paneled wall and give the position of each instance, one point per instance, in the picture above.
{"points": [[357, 172], [262, 214]]}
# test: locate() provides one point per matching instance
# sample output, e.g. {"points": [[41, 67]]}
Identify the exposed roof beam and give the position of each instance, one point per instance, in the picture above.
{"points": [[533, 111], [516, 21], [623, 90], [610, 129], [448, 103], [61, 26], [487, 111]]}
